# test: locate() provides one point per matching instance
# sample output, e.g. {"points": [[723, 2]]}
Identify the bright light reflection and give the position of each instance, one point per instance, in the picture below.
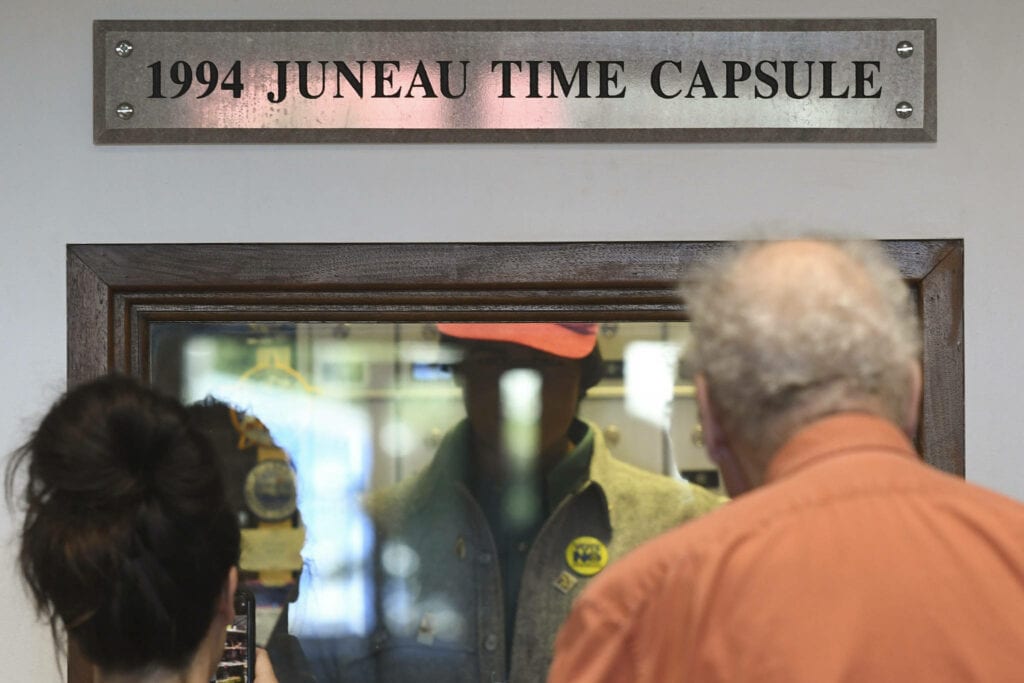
{"points": [[520, 391], [330, 444], [397, 438], [400, 609], [400, 560], [649, 374]]}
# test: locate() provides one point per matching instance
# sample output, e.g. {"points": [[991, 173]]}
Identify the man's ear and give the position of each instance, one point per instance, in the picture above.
{"points": [[711, 430], [912, 410], [717, 444]]}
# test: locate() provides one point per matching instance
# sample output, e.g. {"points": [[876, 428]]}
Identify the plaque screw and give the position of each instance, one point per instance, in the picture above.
{"points": [[124, 48], [125, 111], [904, 110], [905, 48]]}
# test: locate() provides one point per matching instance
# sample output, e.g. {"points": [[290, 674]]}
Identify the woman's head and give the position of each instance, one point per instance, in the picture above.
{"points": [[127, 540]]}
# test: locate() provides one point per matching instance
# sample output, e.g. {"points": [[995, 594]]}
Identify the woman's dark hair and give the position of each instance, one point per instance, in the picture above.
{"points": [[127, 539]]}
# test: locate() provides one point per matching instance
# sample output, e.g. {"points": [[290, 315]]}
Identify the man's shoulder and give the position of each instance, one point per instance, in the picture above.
{"points": [[962, 500], [394, 501], [647, 490], [643, 504]]}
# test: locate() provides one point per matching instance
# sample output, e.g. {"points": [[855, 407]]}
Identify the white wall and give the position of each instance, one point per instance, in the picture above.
{"points": [[57, 187]]}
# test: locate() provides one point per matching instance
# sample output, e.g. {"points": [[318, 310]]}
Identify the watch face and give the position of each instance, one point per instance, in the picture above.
{"points": [[270, 490]]}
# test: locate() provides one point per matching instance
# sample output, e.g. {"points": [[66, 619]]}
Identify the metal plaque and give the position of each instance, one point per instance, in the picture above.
{"points": [[514, 81]]}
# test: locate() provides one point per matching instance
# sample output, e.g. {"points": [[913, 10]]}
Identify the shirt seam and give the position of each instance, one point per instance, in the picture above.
{"points": [[824, 456]]}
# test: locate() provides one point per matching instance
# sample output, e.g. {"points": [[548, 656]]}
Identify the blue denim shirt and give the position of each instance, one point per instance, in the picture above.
{"points": [[443, 618]]}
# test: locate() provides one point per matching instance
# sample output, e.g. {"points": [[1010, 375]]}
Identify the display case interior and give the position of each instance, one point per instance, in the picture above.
{"points": [[335, 351]]}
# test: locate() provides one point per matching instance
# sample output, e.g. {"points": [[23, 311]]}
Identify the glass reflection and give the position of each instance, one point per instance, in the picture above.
{"points": [[456, 481]]}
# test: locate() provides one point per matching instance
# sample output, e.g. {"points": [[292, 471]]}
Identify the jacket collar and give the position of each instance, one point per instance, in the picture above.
{"points": [[589, 463], [834, 436]]}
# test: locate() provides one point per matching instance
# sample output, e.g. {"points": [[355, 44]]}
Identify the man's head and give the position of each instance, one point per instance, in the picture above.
{"points": [[565, 355], [788, 332]]}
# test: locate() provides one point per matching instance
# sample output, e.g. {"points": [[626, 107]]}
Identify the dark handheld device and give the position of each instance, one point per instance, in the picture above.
{"points": [[236, 665]]}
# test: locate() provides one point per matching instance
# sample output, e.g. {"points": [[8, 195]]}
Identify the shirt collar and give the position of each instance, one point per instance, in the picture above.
{"points": [[568, 476], [572, 472], [837, 435]]}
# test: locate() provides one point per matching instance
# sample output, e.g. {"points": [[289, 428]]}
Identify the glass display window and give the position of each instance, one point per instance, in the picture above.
{"points": [[433, 448]]}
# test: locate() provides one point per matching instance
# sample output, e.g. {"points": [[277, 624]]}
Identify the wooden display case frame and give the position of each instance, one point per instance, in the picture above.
{"points": [[116, 292]]}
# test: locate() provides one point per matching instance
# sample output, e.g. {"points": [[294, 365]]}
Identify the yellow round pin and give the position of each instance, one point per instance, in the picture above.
{"points": [[586, 555]]}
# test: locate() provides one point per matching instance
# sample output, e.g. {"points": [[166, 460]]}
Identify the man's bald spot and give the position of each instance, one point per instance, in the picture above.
{"points": [[792, 277]]}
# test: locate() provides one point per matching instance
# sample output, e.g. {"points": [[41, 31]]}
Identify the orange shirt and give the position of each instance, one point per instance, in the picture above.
{"points": [[855, 562]]}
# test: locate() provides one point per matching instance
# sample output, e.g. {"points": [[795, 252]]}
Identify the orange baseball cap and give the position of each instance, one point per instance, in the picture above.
{"points": [[568, 340]]}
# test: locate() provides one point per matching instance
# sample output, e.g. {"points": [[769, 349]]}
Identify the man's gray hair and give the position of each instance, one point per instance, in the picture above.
{"points": [[784, 346]]}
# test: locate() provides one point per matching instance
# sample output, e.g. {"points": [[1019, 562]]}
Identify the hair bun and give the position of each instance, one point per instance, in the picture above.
{"points": [[140, 446], [127, 538]]}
